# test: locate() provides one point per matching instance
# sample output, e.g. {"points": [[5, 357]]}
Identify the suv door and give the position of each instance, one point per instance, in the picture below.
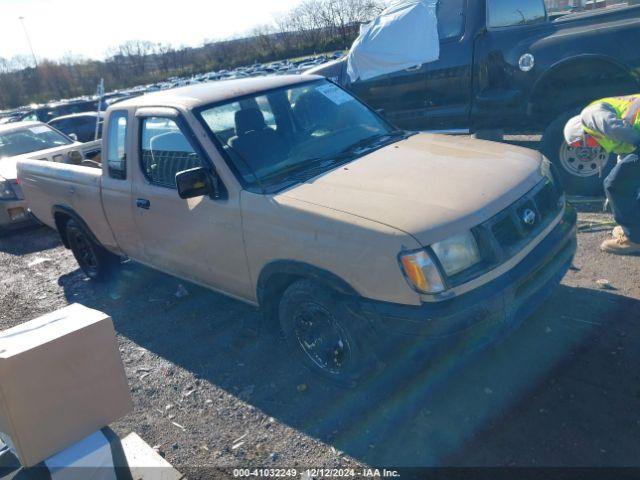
{"points": [[435, 95], [513, 27], [199, 239]]}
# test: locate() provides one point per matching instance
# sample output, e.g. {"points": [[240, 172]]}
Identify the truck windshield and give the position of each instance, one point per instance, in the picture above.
{"points": [[277, 137], [31, 139]]}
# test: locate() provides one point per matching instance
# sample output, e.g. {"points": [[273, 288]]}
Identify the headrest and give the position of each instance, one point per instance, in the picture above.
{"points": [[171, 142], [248, 120]]}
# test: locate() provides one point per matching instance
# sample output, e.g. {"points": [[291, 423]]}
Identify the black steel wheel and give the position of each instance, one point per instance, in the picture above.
{"points": [[325, 335], [93, 259]]}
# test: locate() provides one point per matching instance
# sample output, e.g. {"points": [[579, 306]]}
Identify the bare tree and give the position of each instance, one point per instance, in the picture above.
{"points": [[312, 26]]}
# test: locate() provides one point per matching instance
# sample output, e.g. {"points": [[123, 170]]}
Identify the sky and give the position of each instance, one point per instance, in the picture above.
{"points": [[90, 27]]}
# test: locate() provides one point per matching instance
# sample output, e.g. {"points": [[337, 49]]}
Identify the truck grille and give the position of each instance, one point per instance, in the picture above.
{"points": [[504, 235]]}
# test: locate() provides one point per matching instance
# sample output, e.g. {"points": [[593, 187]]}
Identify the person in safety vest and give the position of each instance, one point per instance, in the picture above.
{"points": [[614, 124]]}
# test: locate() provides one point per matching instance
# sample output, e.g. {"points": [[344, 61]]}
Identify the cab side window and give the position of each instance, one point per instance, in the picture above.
{"points": [[165, 151], [116, 146], [508, 13]]}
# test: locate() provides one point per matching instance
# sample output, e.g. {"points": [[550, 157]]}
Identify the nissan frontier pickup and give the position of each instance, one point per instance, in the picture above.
{"points": [[289, 194]]}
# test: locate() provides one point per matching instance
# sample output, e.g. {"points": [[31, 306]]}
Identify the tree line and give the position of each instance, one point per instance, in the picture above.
{"points": [[314, 26]]}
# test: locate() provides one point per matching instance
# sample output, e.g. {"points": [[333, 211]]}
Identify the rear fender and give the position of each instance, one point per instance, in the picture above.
{"points": [[61, 215]]}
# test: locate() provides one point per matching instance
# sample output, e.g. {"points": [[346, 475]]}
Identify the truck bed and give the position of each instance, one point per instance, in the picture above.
{"points": [[49, 185]]}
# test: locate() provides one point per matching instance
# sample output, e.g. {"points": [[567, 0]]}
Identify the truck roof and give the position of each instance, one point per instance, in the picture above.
{"points": [[193, 96]]}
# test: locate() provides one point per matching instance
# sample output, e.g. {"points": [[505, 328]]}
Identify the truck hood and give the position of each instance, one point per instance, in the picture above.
{"points": [[429, 186]]}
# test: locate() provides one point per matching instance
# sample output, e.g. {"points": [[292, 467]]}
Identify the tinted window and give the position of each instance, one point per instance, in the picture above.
{"points": [[565, 6], [31, 139], [450, 18], [165, 151], [506, 13], [62, 125], [116, 146]]}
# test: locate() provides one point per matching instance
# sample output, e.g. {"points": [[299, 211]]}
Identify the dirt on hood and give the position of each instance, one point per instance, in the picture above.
{"points": [[429, 186]]}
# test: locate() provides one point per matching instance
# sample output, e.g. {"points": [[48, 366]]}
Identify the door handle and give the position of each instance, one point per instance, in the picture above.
{"points": [[143, 203], [72, 190]]}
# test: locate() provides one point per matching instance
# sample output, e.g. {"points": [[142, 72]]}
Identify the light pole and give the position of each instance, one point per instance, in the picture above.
{"points": [[26, 34]]}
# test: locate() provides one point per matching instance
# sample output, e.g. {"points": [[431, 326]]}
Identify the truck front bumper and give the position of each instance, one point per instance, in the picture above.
{"points": [[14, 213], [500, 303]]}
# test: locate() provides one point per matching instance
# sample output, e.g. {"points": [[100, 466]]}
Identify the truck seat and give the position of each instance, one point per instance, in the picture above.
{"points": [[257, 143]]}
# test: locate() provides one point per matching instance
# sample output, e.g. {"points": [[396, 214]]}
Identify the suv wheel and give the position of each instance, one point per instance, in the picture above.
{"points": [[325, 335], [94, 260], [580, 168]]}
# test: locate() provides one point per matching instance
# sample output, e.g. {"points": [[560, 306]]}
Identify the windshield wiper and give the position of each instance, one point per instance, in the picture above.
{"points": [[299, 166], [372, 142], [354, 150]]}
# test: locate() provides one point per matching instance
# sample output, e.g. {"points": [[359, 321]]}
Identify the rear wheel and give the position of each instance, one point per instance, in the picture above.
{"points": [[324, 334], [582, 169], [96, 262]]}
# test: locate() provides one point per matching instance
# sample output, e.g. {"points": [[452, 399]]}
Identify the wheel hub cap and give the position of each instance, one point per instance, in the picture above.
{"points": [[583, 161]]}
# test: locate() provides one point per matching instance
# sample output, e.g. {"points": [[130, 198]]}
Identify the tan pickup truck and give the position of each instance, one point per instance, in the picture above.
{"points": [[289, 194]]}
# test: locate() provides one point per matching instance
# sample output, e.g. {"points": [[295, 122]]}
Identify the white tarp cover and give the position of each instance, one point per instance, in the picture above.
{"points": [[404, 35]]}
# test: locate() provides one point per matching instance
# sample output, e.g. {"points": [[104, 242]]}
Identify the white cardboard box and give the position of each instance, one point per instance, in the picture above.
{"points": [[61, 379]]}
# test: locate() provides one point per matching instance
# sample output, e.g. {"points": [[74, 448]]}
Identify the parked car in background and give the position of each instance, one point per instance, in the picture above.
{"points": [[52, 110], [16, 141], [80, 125], [507, 66], [289, 194]]}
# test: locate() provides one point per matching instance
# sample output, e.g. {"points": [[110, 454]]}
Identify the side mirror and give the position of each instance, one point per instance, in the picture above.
{"points": [[73, 137], [196, 182]]}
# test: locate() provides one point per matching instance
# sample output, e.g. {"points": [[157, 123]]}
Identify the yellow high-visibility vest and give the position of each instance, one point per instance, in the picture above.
{"points": [[628, 109]]}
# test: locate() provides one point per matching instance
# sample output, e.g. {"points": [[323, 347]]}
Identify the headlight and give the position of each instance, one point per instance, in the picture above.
{"points": [[421, 272], [457, 253], [6, 191], [547, 170]]}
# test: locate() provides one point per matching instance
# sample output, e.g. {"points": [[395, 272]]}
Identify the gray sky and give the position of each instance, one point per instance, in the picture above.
{"points": [[89, 27]]}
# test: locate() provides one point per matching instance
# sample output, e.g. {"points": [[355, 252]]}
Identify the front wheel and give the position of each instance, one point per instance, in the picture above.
{"points": [[583, 169], [96, 262], [325, 335]]}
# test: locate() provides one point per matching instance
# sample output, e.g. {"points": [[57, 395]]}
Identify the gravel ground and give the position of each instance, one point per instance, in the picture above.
{"points": [[209, 390]]}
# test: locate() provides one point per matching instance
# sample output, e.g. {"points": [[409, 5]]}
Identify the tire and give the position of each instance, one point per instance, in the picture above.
{"points": [[579, 169], [310, 315], [96, 262]]}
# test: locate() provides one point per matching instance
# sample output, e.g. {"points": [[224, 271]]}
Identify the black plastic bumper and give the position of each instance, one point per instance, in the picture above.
{"points": [[504, 301]]}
